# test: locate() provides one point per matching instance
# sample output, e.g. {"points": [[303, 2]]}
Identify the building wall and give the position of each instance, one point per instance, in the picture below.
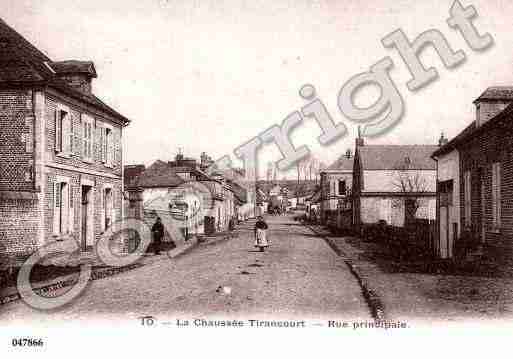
{"points": [[389, 180], [392, 209], [78, 170], [16, 140], [478, 155], [19, 214], [76, 179], [330, 193], [489, 109], [19, 226], [449, 169], [76, 159]]}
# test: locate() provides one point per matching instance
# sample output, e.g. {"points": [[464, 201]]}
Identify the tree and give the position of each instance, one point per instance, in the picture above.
{"points": [[412, 184]]}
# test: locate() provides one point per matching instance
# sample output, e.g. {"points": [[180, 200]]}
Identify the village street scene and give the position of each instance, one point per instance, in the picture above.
{"points": [[413, 229]]}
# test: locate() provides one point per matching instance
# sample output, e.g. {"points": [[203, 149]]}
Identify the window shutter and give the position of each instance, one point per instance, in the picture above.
{"points": [[58, 131], [70, 196], [494, 193], [499, 196], [57, 194], [71, 135], [110, 149], [102, 144], [65, 130], [84, 138], [56, 207]]}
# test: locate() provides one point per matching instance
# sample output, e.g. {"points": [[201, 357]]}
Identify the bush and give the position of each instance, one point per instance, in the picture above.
{"points": [[467, 242]]}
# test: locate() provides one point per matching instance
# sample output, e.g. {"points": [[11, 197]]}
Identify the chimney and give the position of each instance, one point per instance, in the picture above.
{"points": [[77, 74], [442, 140], [493, 101], [359, 140]]}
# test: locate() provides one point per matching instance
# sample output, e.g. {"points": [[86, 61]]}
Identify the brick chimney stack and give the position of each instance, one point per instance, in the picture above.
{"points": [[442, 141]]}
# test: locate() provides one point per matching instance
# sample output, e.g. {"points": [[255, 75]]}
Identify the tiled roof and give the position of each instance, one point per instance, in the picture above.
{"points": [[22, 63], [343, 163], [472, 130], [386, 157], [159, 174], [497, 93], [449, 146]]}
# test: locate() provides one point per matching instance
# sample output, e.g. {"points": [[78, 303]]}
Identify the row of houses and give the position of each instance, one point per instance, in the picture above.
{"points": [[61, 160], [461, 185], [395, 184], [278, 196], [204, 201]]}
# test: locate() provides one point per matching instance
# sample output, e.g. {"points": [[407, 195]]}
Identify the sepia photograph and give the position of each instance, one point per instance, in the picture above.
{"points": [[293, 176]]}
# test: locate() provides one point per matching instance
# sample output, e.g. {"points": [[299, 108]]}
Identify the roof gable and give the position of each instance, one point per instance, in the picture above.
{"points": [[388, 157], [22, 63], [159, 174], [343, 163], [497, 93], [471, 130]]}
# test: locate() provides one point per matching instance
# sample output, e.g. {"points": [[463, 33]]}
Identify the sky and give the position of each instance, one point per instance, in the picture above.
{"points": [[210, 75]]}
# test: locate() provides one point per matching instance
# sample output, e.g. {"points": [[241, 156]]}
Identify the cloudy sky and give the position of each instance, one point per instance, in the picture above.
{"points": [[210, 75]]}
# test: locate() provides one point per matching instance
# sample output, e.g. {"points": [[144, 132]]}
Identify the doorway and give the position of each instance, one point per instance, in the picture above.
{"points": [[447, 234]]}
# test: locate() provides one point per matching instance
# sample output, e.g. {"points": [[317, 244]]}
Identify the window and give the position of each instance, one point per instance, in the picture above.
{"points": [[108, 208], [446, 192], [496, 195], [87, 136], [106, 146], [63, 207], [64, 131], [467, 198], [342, 188]]}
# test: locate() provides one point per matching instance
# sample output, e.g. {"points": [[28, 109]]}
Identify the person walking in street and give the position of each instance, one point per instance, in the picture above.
{"points": [[261, 234], [158, 233]]}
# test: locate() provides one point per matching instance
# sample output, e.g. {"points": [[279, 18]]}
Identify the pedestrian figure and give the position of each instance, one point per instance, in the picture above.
{"points": [[158, 233], [261, 234]]}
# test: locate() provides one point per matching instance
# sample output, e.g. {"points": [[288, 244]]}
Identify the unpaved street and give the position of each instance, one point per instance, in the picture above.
{"points": [[299, 276]]}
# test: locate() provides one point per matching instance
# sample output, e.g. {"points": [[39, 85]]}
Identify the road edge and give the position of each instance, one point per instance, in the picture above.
{"points": [[68, 281], [373, 301]]}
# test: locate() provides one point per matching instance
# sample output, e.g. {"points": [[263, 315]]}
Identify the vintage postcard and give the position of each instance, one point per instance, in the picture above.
{"points": [[224, 177]]}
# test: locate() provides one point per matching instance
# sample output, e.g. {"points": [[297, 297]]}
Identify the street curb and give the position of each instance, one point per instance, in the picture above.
{"points": [[373, 300], [68, 281]]}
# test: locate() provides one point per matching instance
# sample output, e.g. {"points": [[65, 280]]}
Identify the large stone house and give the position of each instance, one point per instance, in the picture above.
{"points": [[61, 157], [477, 194], [393, 183], [336, 183]]}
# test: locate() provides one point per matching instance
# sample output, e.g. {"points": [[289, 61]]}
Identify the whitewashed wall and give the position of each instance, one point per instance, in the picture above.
{"points": [[386, 180], [449, 169]]}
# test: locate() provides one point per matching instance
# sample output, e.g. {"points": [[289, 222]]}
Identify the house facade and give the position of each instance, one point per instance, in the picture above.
{"points": [[483, 183], [393, 183], [336, 183], [61, 156], [448, 202]]}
